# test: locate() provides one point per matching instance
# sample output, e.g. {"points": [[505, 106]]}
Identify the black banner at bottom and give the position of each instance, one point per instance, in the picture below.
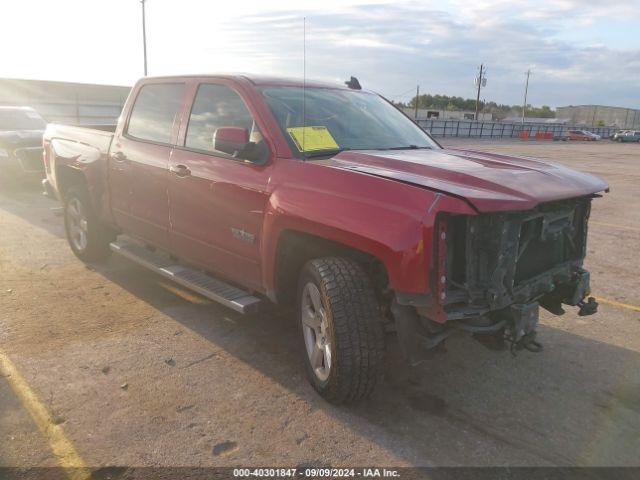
{"points": [[301, 472]]}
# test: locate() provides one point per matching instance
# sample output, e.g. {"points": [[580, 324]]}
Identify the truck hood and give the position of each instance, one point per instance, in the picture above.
{"points": [[489, 181]]}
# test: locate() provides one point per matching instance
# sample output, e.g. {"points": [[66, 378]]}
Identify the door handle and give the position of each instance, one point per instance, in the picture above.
{"points": [[180, 170], [119, 157]]}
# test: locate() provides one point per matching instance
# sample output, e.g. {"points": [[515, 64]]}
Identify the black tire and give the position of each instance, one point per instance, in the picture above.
{"points": [[353, 325], [98, 236]]}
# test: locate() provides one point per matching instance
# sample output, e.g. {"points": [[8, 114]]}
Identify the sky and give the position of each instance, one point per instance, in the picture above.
{"points": [[579, 51]]}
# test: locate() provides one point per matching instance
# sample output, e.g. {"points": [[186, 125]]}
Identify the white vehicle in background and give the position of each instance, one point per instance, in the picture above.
{"points": [[626, 136]]}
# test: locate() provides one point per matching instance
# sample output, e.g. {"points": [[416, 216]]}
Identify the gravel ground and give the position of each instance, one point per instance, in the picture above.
{"points": [[139, 371]]}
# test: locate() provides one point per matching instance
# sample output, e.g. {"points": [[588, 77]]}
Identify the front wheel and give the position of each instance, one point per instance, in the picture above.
{"points": [[341, 329], [88, 238]]}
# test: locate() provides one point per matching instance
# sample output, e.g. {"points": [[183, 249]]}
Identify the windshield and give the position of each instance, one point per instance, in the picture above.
{"points": [[337, 120], [21, 120]]}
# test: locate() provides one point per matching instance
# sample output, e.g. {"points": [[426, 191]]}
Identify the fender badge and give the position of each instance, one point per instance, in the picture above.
{"points": [[242, 235]]}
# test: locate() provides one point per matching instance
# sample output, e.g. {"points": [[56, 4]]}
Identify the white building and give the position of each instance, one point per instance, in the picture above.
{"points": [[433, 113], [595, 115], [66, 102]]}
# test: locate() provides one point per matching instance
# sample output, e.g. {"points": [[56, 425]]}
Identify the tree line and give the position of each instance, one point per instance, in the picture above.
{"points": [[499, 111]]}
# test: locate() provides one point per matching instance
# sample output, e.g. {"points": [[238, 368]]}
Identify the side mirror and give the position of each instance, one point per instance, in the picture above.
{"points": [[235, 142], [230, 139]]}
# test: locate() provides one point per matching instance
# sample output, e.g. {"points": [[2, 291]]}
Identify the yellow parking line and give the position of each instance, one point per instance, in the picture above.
{"points": [[618, 304], [62, 448], [624, 227], [183, 293]]}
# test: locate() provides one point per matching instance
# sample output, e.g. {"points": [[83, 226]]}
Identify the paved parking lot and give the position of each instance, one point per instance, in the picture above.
{"points": [[134, 370]]}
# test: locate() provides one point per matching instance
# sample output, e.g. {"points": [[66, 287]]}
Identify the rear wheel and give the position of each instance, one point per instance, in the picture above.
{"points": [[88, 238], [341, 329]]}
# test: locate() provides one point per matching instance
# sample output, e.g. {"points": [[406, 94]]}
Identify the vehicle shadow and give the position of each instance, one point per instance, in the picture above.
{"points": [[576, 403], [27, 202]]}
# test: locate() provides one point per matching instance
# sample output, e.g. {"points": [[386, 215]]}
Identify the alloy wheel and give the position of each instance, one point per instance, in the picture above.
{"points": [[77, 221], [315, 328]]}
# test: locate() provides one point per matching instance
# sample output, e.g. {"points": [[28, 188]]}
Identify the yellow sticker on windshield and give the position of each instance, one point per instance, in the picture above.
{"points": [[308, 139]]}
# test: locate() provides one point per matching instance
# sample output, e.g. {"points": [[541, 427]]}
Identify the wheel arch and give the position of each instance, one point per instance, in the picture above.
{"points": [[67, 177], [295, 248]]}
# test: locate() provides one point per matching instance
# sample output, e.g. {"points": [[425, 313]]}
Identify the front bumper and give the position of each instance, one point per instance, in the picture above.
{"points": [[47, 189], [30, 159], [492, 272], [515, 323], [22, 163]]}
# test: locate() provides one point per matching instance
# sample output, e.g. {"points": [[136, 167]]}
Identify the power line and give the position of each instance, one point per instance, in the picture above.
{"points": [[403, 93]]}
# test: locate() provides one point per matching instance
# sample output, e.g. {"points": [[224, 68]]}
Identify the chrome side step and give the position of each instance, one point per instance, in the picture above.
{"points": [[200, 282]]}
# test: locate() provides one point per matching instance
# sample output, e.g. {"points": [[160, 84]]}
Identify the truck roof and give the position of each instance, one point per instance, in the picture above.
{"points": [[259, 80]]}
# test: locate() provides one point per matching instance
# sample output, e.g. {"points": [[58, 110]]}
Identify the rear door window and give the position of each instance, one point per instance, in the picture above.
{"points": [[154, 112]]}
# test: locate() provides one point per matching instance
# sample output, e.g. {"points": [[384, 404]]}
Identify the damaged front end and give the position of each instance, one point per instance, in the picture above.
{"points": [[491, 273]]}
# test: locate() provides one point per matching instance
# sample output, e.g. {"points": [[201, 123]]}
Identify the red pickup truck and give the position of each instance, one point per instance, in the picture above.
{"points": [[328, 198]]}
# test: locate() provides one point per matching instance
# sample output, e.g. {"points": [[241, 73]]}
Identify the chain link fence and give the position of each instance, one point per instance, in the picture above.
{"points": [[481, 129]]}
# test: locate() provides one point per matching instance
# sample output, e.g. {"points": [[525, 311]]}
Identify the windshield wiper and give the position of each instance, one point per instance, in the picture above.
{"points": [[332, 152], [324, 153], [408, 147]]}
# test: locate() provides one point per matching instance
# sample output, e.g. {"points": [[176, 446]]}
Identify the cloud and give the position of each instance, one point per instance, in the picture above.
{"points": [[393, 47], [580, 51]]}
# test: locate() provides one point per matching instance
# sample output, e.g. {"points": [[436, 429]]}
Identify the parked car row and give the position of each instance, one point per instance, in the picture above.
{"points": [[583, 135], [626, 136]]}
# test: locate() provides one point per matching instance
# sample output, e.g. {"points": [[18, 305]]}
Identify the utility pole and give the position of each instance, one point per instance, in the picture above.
{"points": [[479, 86], [417, 98], [144, 38], [526, 90]]}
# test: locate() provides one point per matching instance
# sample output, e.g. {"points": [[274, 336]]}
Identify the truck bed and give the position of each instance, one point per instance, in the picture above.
{"points": [[80, 148], [97, 136]]}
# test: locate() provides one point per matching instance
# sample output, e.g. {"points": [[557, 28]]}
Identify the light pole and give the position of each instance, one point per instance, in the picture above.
{"points": [[526, 89], [144, 38]]}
